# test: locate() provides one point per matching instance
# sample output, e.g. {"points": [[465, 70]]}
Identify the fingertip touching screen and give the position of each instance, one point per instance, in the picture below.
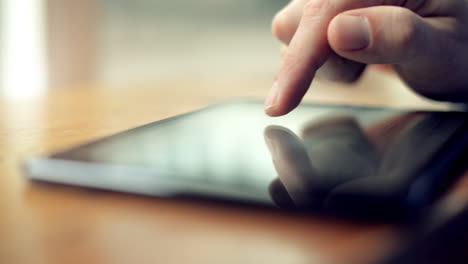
{"points": [[346, 159]]}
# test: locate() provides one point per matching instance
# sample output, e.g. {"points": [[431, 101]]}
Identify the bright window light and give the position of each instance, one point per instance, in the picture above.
{"points": [[23, 48]]}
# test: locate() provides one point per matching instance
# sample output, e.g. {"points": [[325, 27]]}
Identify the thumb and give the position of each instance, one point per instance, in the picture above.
{"points": [[382, 35], [428, 53]]}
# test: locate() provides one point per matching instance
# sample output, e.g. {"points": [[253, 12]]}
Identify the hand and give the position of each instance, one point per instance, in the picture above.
{"points": [[330, 153], [426, 42], [339, 165]]}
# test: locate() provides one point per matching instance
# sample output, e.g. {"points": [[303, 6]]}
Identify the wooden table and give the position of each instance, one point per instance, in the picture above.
{"points": [[41, 223]]}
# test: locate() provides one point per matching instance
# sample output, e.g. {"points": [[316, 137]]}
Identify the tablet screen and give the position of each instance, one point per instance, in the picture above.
{"points": [[319, 156]]}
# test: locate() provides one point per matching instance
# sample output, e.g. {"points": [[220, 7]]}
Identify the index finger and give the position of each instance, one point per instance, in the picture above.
{"points": [[307, 52]]}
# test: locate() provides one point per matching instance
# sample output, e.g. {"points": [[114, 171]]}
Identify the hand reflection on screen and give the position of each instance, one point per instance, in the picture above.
{"points": [[330, 152], [337, 165]]}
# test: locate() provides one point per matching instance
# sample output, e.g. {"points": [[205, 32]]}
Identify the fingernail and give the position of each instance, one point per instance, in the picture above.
{"points": [[270, 102], [356, 32]]}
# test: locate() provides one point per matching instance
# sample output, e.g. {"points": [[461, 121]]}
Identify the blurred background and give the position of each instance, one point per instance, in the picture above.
{"points": [[221, 47], [56, 43]]}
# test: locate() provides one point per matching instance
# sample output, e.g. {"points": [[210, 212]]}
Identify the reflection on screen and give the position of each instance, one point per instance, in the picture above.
{"points": [[323, 156]]}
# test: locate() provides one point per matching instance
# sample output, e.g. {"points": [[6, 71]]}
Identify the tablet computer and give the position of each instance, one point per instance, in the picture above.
{"points": [[347, 160]]}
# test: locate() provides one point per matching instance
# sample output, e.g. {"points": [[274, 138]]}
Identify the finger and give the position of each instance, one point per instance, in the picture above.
{"points": [[383, 134], [286, 21], [291, 162], [339, 149], [309, 49], [280, 195], [421, 50], [379, 35], [399, 174], [339, 69], [336, 68]]}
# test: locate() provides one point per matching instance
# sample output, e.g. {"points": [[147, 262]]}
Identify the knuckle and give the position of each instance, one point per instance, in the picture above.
{"points": [[282, 27], [405, 28], [316, 7]]}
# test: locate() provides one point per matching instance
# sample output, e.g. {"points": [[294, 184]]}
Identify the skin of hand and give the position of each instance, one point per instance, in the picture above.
{"points": [[425, 41]]}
